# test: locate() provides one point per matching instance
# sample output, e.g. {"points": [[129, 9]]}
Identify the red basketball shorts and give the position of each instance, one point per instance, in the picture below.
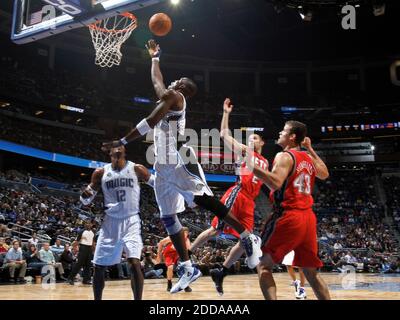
{"points": [[241, 207], [294, 230], [171, 257]]}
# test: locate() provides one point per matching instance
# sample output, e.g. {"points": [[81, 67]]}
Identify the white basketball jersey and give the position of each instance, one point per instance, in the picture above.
{"points": [[165, 137], [121, 191]]}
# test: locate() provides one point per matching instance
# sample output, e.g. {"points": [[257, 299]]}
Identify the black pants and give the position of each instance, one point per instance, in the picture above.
{"points": [[84, 261]]}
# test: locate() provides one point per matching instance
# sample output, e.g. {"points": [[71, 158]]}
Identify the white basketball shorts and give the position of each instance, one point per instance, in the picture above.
{"points": [[176, 184], [117, 236]]}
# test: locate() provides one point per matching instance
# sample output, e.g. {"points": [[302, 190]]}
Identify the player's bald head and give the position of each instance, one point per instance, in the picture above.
{"points": [[118, 152], [189, 87]]}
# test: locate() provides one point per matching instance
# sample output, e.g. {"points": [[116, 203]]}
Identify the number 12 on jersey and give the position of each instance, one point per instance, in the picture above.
{"points": [[303, 183], [121, 195]]}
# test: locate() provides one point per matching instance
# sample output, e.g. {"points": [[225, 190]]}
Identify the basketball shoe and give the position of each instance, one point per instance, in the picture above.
{"points": [[217, 275], [187, 275], [252, 245], [301, 294], [296, 285]]}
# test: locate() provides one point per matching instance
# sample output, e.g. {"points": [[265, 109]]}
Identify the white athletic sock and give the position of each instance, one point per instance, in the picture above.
{"points": [[244, 234]]}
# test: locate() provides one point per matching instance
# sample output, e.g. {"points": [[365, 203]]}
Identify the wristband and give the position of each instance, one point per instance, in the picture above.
{"points": [[87, 201], [156, 59], [143, 127], [91, 189], [123, 141]]}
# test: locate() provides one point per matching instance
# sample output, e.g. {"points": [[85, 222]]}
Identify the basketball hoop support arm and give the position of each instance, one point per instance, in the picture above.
{"points": [[21, 34]]}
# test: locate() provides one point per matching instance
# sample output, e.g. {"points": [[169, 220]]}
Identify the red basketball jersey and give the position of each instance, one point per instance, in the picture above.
{"points": [[250, 185], [296, 191]]}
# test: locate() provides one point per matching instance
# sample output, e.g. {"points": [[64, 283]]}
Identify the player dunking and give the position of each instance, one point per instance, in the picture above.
{"points": [[293, 224], [239, 198], [177, 181], [167, 250], [121, 228]]}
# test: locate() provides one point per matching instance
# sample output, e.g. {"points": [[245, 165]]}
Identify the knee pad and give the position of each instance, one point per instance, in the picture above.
{"points": [[171, 224], [212, 204]]}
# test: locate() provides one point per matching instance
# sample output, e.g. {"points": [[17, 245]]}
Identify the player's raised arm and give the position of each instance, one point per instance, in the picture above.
{"points": [[275, 178], [226, 134], [322, 170], [168, 100], [156, 76], [91, 190]]}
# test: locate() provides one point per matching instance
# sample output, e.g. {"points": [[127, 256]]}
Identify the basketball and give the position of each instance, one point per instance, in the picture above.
{"points": [[160, 24]]}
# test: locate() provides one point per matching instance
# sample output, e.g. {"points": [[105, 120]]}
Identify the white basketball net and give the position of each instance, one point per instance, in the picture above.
{"points": [[108, 35]]}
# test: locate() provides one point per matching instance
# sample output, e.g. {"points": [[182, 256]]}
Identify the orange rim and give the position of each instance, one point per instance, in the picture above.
{"points": [[129, 15]]}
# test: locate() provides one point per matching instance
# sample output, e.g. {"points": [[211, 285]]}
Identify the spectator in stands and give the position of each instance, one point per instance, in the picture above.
{"points": [[57, 248], [75, 251], [48, 257], [206, 261], [123, 268], [219, 258], [86, 244], [337, 246], [385, 265], [148, 265], [4, 231], [347, 259], [14, 260], [395, 265], [334, 259], [67, 259], [34, 240], [32, 258], [3, 246]]}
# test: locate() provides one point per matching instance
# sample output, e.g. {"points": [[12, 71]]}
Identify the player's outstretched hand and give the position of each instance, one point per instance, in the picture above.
{"points": [[228, 106], [306, 143], [153, 48], [107, 146]]}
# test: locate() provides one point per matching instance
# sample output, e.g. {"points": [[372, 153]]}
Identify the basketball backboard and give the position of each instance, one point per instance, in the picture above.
{"points": [[38, 19]]}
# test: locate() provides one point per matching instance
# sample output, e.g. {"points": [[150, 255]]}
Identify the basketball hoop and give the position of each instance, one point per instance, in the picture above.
{"points": [[108, 35]]}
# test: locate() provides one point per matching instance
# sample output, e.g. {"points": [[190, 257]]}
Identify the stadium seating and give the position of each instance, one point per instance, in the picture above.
{"points": [[348, 221]]}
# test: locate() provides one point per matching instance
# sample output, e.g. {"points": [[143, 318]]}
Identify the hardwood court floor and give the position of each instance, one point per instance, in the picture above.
{"points": [[367, 286]]}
